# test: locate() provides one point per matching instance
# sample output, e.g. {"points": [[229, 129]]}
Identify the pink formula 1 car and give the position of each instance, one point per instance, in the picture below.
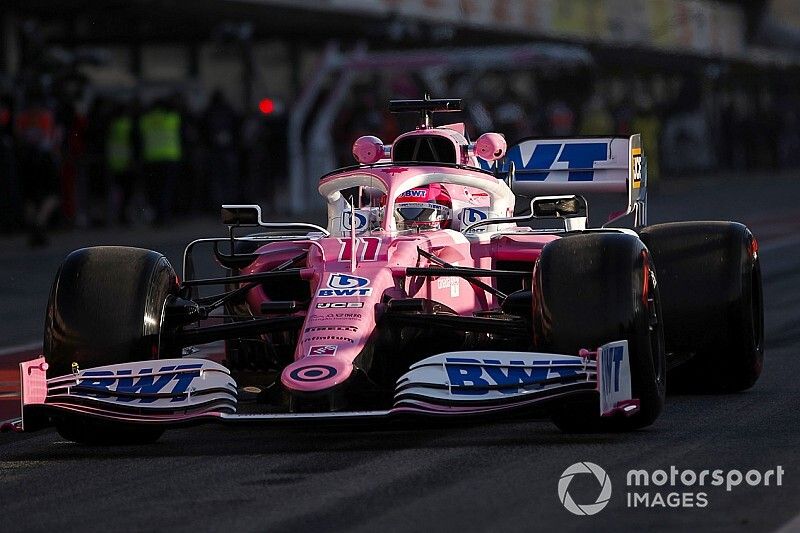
{"points": [[423, 296]]}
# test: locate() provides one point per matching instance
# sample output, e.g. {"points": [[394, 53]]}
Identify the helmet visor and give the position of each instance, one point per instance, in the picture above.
{"points": [[417, 214]]}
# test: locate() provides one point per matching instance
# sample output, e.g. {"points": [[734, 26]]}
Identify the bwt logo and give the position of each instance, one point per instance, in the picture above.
{"points": [[557, 156], [344, 281], [346, 285], [470, 215], [414, 193], [475, 377], [106, 382], [361, 220]]}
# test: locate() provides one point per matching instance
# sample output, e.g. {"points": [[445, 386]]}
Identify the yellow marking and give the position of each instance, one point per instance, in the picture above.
{"points": [[637, 184], [636, 151]]}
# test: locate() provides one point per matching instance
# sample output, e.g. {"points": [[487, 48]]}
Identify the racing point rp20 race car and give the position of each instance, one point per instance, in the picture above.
{"points": [[423, 296]]}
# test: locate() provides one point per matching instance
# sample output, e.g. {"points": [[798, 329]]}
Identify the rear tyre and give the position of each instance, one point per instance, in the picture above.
{"points": [[713, 309], [105, 308], [595, 288]]}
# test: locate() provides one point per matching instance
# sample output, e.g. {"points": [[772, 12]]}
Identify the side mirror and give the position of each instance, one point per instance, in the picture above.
{"points": [[241, 215], [573, 210], [490, 146], [559, 206]]}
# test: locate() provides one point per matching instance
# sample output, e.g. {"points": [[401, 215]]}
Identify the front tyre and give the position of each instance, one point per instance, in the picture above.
{"points": [[595, 288], [105, 308]]}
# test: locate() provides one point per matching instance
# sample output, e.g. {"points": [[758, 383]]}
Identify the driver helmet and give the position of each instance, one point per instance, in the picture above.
{"points": [[424, 208]]}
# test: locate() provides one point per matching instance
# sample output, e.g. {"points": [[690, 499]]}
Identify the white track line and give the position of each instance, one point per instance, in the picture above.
{"points": [[21, 348], [777, 244], [792, 526]]}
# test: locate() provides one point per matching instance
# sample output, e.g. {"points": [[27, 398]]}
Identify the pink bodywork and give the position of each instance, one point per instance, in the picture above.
{"points": [[337, 328]]}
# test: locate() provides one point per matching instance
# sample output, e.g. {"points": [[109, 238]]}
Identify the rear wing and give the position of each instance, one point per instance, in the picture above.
{"points": [[583, 165]]}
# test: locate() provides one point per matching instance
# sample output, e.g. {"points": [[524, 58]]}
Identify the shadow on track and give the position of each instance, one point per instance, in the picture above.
{"points": [[215, 440]]}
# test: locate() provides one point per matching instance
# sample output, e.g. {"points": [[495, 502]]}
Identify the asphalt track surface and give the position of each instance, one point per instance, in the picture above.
{"points": [[468, 477]]}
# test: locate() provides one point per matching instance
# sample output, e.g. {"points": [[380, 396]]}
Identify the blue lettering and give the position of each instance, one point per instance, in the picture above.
{"points": [[612, 365], [544, 156], [583, 156], [617, 357], [103, 382], [345, 292], [564, 372], [185, 379], [96, 381], [144, 384], [467, 375], [607, 370], [514, 377]]}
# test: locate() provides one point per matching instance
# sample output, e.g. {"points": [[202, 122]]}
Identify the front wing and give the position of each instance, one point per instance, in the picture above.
{"points": [[177, 392]]}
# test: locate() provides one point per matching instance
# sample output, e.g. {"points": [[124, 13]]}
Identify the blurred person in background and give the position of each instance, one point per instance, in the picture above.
{"points": [[726, 147], [789, 134], [162, 155], [265, 156], [526, 94], [647, 123], [254, 159], [596, 119], [37, 141], [686, 145], [741, 134], [220, 131], [120, 158], [560, 119], [621, 105], [510, 120], [72, 171], [510, 115], [190, 193], [96, 190], [10, 215], [767, 122]]}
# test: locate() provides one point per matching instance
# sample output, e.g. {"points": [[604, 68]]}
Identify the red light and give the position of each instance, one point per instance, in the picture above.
{"points": [[266, 106]]}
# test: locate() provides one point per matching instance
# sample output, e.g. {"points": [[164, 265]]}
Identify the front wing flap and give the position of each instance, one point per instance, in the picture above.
{"points": [[181, 391]]}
